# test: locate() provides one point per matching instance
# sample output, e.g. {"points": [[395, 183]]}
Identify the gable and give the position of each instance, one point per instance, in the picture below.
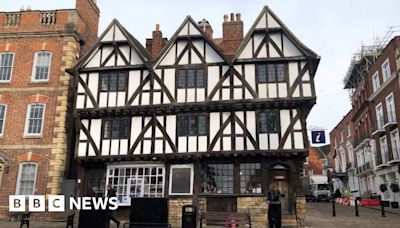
{"points": [[270, 38], [189, 45]]}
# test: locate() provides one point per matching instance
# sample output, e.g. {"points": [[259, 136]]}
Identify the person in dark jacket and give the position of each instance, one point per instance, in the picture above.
{"points": [[274, 208], [112, 193]]}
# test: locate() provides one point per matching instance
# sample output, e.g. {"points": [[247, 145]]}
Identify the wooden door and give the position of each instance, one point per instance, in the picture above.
{"points": [[279, 179]]}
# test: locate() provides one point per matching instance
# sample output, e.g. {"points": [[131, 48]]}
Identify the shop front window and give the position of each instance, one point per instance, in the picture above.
{"points": [[250, 178], [217, 178]]}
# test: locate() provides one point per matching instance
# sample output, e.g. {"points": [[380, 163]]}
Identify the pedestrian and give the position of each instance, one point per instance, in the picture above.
{"points": [[274, 208], [111, 193]]}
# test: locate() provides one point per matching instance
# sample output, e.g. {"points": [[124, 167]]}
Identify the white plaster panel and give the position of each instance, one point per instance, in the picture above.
{"points": [[217, 145], [94, 61], [213, 78], [181, 95], [285, 120], [190, 95], [112, 99], [272, 23], [169, 58], [262, 22], [237, 93], [298, 140], [282, 89], [171, 127], [145, 98], [192, 144], [249, 145], [199, 45], [274, 141], [293, 72], [109, 35], [82, 149], [214, 123], [272, 90], [227, 143], [247, 52], [137, 149], [94, 84], [239, 143], [195, 58], [114, 147], [158, 147], [118, 34], [105, 53], [80, 101], [263, 52], [146, 147], [95, 130], [125, 51], [202, 144], [123, 149], [262, 90], [169, 80], [184, 31], [211, 55], [306, 89], [289, 49], [121, 99], [181, 45], [251, 123], [193, 30], [105, 147], [182, 145], [250, 75], [135, 58], [296, 92], [257, 40], [201, 94], [91, 151], [263, 141], [82, 135], [277, 39], [288, 143], [225, 94]]}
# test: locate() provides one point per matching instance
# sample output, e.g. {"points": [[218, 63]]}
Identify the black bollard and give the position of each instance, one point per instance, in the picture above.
{"points": [[382, 209], [333, 208], [356, 206]]}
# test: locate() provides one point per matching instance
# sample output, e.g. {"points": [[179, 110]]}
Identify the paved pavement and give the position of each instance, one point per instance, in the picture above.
{"points": [[320, 215]]}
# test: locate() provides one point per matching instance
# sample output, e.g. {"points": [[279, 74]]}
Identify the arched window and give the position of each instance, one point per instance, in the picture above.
{"points": [[6, 66], [3, 109], [26, 178], [41, 66], [35, 119]]}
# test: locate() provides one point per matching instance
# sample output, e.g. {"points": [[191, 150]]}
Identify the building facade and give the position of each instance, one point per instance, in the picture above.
{"points": [[35, 94], [373, 79], [318, 162], [204, 121]]}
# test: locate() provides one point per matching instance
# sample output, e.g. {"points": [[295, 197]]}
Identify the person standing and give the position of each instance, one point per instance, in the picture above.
{"points": [[112, 193], [274, 208]]}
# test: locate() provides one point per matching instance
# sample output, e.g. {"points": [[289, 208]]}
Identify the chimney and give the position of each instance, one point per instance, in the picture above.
{"points": [[206, 27], [232, 33], [156, 43]]}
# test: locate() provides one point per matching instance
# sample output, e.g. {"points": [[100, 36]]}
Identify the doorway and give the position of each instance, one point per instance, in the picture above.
{"points": [[280, 180]]}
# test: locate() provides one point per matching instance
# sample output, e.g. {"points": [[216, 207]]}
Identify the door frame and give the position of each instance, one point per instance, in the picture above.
{"points": [[282, 167]]}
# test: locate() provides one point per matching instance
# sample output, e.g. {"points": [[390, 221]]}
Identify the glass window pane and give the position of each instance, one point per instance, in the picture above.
{"points": [[280, 72], [262, 73], [181, 180], [271, 73], [199, 78]]}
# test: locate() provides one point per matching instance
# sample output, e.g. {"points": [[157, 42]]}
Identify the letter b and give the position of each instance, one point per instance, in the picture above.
{"points": [[16, 203]]}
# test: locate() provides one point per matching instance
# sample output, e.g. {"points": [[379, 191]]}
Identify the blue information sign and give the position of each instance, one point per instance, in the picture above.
{"points": [[318, 137]]}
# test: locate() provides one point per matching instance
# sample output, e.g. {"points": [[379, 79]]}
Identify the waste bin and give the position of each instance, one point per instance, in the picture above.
{"points": [[188, 216]]}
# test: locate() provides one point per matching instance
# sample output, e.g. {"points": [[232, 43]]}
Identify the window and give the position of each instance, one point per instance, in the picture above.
{"points": [[391, 112], [26, 178], [217, 178], [386, 70], [113, 81], [375, 81], [191, 78], [181, 180], [192, 125], [34, 119], [116, 129], [394, 135], [6, 65], [348, 131], [136, 181], [384, 150], [268, 122], [250, 178], [350, 151], [379, 115], [2, 118], [41, 66], [271, 72]]}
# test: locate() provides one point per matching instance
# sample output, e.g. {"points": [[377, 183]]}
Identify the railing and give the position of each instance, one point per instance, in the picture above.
{"points": [[378, 126], [12, 19], [48, 18], [363, 168]]}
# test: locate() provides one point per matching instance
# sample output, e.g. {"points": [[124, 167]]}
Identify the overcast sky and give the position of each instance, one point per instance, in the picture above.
{"points": [[332, 29]]}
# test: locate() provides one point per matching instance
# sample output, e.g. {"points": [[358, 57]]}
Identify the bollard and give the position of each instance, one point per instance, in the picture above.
{"points": [[382, 209], [356, 206], [333, 208]]}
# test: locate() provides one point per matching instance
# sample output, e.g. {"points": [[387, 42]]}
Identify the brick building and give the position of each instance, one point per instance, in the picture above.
{"points": [[317, 162], [373, 81], [35, 101]]}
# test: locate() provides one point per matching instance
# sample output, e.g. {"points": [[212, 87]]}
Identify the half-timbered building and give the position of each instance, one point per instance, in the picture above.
{"points": [[196, 123]]}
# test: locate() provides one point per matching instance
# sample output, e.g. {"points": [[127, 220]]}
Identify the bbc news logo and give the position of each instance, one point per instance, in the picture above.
{"points": [[56, 203]]}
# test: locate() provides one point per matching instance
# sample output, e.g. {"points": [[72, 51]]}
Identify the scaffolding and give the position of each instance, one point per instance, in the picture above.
{"points": [[365, 57]]}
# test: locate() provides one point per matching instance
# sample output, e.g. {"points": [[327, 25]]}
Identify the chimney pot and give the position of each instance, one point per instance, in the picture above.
{"points": [[157, 27], [226, 18], [238, 17], [232, 17]]}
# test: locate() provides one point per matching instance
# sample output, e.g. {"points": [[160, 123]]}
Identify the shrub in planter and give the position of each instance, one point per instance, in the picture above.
{"points": [[383, 188], [395, 189]]}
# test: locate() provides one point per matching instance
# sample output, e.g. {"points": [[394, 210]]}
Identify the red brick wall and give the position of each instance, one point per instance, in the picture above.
{"points": [[90, 13], [314, 162]]}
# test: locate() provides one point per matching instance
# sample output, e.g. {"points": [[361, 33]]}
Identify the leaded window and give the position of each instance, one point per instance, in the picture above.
{"points": [[191, 78], [217, 178], [35, 119], [2, 117], [271, 72], [250, 178], [6, 65], [136, 181], [114, 81], [192, 125], [41, 67], [116, 129], [26, 179], [268, 122]]}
